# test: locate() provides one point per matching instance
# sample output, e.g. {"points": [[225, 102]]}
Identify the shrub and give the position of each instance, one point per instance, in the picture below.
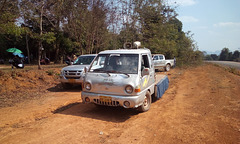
{"points": [[50, 72]]}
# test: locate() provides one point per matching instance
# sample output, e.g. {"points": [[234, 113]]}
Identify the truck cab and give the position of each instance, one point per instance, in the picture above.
{"points": [[123, 77]]}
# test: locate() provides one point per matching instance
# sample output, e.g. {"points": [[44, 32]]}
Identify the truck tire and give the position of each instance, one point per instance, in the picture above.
{"points": [[146, 103], [168, 67]]}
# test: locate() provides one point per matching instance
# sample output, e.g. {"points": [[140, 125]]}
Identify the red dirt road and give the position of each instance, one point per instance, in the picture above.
{"points": [[202, 105]]}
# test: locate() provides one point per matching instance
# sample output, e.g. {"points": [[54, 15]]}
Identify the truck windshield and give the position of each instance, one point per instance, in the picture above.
{"points": [[84, 60], [116, 63]]}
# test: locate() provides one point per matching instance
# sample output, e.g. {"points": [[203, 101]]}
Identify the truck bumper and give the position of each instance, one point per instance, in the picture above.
{"points": [[71, 81], [113, 100]]}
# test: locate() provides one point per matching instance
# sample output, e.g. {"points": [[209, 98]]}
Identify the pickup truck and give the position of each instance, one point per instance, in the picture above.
{"points": [[123, 77], [73, 74], [161, 63]]}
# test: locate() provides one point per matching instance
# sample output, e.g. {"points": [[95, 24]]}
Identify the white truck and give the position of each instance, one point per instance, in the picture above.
{"points": [[73, 74], [161, 63], [124, 77]]}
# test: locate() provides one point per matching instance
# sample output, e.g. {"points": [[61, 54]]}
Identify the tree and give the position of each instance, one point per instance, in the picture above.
{"points": [[158, 33], [8, 15], [97, 28], [224, 55], [208, 57], [236, 55], [85, 26], [77, 24], [214, 56], [10, 33], [35, 14]]}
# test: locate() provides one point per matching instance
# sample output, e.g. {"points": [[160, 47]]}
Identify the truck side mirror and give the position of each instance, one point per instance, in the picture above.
{"points": [[145, 71], [85, 69]]}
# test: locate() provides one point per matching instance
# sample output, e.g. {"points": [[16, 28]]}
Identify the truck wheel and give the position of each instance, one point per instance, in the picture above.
{"points": [[146, 103], [167, 68]]}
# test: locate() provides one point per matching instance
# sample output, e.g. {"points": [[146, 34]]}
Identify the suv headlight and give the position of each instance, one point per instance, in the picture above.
{"points": [[88, 86], [129, 89]]}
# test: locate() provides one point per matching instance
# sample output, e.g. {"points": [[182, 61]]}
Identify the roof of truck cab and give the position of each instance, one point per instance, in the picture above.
{"points": [[89, 55], [126, 51], [157, 54]]}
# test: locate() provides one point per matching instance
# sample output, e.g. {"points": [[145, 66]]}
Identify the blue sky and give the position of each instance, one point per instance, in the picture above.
{"points": [[214, 23]]}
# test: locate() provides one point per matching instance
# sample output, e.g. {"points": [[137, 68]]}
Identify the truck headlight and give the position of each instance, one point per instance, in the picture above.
{"points": [[129, 89], [88, 86]]}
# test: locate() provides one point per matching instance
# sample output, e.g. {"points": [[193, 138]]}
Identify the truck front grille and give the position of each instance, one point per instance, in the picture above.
{"points": [[70, 74], [112, 103]]}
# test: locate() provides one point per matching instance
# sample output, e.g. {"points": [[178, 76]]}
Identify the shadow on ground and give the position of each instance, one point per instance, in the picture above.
{"points": [[60, 88], [104, 113]]}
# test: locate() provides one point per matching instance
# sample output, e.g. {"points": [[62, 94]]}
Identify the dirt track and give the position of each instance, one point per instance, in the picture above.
{"points": [[202, 105]]}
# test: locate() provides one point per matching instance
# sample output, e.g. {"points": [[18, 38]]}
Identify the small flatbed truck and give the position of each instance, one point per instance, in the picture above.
{"points": [[123, 77]]}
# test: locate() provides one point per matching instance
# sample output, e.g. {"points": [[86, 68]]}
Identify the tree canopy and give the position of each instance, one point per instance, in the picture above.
{"points": [[60, 28]]}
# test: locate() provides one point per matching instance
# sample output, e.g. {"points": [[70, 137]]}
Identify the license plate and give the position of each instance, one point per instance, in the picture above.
{"points": [[71, 80], [105, 99]]}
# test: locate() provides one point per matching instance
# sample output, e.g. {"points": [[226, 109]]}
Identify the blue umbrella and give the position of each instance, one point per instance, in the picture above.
{"points": [[19, 54]]}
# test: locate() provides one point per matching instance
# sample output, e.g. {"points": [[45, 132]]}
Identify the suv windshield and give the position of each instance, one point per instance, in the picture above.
{"points": [[116, 63], [84, 60]]}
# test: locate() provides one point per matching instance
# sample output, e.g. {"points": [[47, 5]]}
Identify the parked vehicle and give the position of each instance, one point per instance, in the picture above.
{"points": [[124, 77], [161, 63], [73, 74]]}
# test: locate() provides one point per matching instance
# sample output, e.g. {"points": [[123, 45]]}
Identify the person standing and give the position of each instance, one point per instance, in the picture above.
{"points": [[174, 62]]}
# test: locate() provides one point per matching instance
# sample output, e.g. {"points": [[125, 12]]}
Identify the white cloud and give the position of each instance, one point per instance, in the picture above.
{"points": [[182, 2], [188, 19], [227, 24]]}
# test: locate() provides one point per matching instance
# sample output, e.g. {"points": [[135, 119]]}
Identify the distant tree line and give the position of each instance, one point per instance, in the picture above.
{"points": [[225, 55], [60, 28]]}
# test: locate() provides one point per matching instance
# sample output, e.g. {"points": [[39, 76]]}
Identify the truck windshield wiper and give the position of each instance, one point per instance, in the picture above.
{"points": [[123, 73], [113, 71], [102, 71], [99, 70]]}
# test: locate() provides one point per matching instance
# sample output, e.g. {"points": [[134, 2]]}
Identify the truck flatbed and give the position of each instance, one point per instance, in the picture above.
{"points": [[161, 85]]}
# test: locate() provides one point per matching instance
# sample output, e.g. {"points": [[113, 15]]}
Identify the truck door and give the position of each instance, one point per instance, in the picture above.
{"points": [[156, 60], [147, 80], [161, 61]]}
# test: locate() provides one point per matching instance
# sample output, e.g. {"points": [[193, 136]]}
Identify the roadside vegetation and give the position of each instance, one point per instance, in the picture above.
{"points": [[57, 29], [225, 55], [233, 70], [229, 69]]}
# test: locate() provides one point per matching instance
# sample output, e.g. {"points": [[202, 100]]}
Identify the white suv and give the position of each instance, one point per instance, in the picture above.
{"points": [[73, 74]]}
